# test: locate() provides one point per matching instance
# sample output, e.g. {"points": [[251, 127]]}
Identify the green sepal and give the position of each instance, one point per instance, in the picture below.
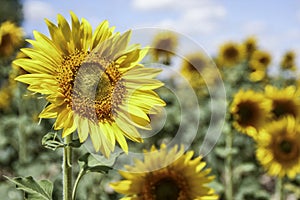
{"points": [[52, 141]]}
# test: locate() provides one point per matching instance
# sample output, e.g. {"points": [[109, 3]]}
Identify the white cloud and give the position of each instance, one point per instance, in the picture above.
{"points": [[193, 16], [38, 10], [254, 27], [151, 4]]}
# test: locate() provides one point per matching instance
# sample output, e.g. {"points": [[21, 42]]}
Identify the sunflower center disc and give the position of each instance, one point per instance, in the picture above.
{"points": [[231, 53], [287, 150], [247, 114], [264, 61], [93, 88], [166, 189], [197, 64], [282, 108], [286, 147], [6, 40]]}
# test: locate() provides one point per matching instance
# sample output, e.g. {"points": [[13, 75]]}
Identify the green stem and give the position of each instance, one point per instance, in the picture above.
{"points": [[22, 137], [22, 144], [228, 166], [80, 175], [67, 169], [279, 188]]}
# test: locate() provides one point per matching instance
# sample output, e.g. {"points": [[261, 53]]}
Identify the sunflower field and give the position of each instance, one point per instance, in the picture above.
{"points": [[88, 114]]}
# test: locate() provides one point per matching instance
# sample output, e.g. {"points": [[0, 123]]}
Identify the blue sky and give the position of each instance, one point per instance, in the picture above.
{"points": [[207, 22]]}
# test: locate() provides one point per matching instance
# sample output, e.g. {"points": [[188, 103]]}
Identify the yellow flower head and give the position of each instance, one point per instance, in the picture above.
{"points": [[93, 82], [195, 67], [260, 60], [230, 54], [250, 45], [278, 148], [250, 111], [164, 46], [284, 101], [257, 75], [288, 61], [166, 174], [11, 37]]}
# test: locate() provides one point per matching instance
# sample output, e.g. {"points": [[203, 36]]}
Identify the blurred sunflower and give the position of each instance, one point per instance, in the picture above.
{"points": [[194, 67], [288, 61], [278, 148], [250, 111], [5, 97], [93, 82], [260, 60], [257, 75], [284, 101], [250, 45], [164, 46], [11, 37], [258, 63], [166, 175], [230, 54]]}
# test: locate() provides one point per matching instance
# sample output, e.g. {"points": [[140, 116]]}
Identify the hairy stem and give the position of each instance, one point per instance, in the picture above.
{"points": [[67, 169], [279, 188], [80, 175], [21, 135]]}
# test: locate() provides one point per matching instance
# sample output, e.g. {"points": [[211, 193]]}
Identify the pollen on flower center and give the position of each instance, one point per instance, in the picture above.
{"points": [[92, 86]]}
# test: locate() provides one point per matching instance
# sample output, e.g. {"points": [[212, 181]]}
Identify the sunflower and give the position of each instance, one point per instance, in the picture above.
{"points": [[93, 82], [288, 61], [195, 67], [278, 147], [260, 60], [164, 175], [164, 46], [5, 97], [230, 54], [250, 111], [11, 37], [284, 101], [250, 45], [257, 75]]}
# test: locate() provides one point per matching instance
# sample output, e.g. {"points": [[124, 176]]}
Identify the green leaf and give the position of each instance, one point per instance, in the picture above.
{"points": [[100, 169], [97, 158], [224, 152], [52, 141], [244, 168], [96, 163], [41, 190], [88, 163]]}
